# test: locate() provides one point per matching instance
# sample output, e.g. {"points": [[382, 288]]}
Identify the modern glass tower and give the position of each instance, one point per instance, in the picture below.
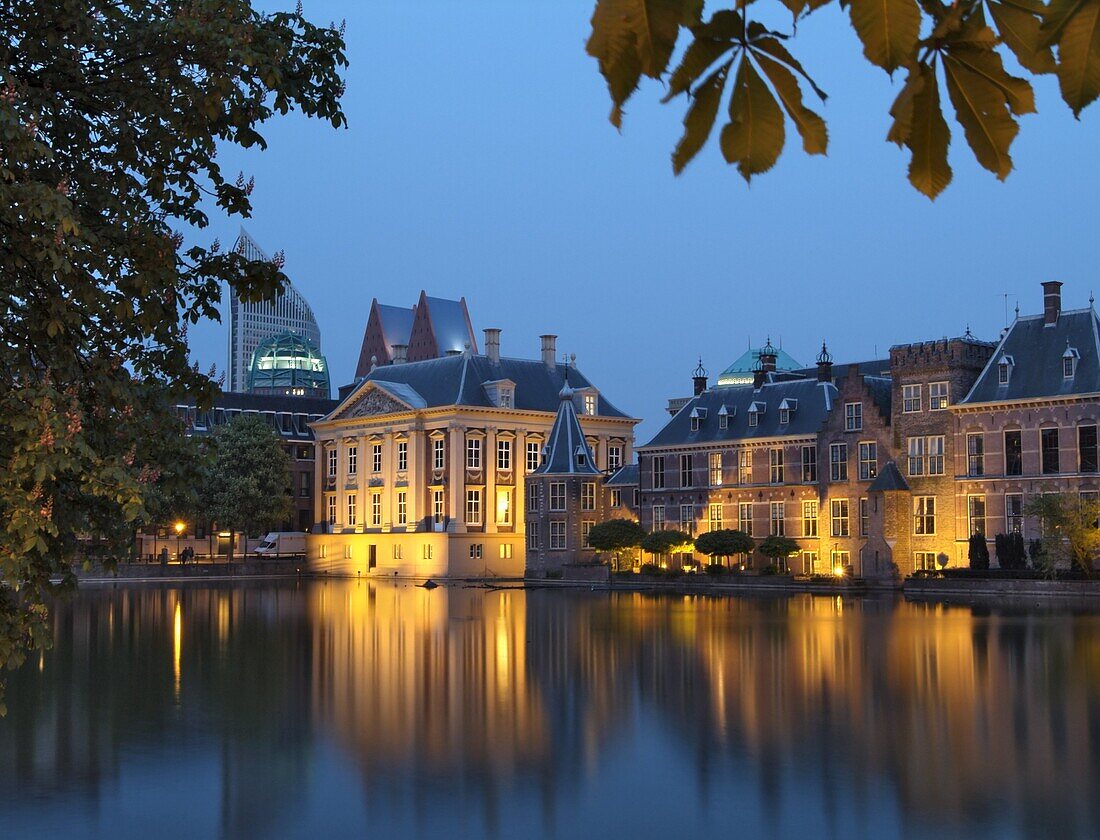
{"points": [[252, 323]]}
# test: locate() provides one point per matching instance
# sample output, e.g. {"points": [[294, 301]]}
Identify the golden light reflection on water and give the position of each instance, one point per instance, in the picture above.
{"points": [[970, 720]]}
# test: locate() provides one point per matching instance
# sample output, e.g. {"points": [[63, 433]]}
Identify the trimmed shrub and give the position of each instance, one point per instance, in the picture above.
{"points": [[978, 552]]}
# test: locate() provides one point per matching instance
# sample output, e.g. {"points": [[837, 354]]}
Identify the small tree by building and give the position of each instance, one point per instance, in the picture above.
{"points": [[978, 552], [778, 549], [619, 537], [249, 484], [666, 542], [1011, 553], [1069, 529], [724, 543]]}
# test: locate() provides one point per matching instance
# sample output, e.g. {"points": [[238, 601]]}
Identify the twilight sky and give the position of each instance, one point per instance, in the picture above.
{"points": [[479, 161]]}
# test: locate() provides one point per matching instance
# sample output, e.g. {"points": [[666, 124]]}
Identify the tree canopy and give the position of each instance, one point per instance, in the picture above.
{"points": [[664, 542], [617, 536], [958, 47], [724, 542], [1069, 529], [111, 118]]}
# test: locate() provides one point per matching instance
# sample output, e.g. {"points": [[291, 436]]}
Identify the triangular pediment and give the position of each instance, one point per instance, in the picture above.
{"points": [[371, 400]]}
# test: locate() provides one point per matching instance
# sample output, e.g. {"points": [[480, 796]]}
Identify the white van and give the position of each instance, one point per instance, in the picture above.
{"points": [[282, 544]]}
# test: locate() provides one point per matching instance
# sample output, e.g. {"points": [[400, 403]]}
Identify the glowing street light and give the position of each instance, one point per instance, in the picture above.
{"points": [[179, 526]]}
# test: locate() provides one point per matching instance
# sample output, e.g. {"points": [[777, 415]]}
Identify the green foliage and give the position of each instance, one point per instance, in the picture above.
{"points": [[1011, 553], [621, 537], [959, 46], [666, 542], [778, 548], [977, 552], [716, 569], [249, 484], [1069, 529], [111, 117], [724, 543]]}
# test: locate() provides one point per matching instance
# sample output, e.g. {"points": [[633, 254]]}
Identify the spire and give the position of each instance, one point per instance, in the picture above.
{"points": [[567, 451]]}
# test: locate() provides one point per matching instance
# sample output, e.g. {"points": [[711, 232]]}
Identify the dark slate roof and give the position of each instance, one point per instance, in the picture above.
{"points": [[881, 390], [890, 478], [397, 323], [623, 477], [1036, 352], [567, 451], [874, 367], [815, 400], [458, 379], [449, 323]]}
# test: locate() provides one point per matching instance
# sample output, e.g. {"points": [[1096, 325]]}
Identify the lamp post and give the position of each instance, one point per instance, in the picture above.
{"points": [[179, 526]]}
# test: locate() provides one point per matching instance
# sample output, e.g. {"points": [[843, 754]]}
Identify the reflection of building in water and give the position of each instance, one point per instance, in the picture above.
{"points": [[426, 686]]}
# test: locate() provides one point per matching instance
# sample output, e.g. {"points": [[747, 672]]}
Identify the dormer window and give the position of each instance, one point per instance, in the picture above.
{"points": [[698, 415], [723, 418], [507, 398], [1004, 369], [580, 456], [785, 409], [755, 410], [1069, 362], [590, 404]]}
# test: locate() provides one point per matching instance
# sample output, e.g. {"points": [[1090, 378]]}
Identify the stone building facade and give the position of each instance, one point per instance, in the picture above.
{"points": [[422, 469]]}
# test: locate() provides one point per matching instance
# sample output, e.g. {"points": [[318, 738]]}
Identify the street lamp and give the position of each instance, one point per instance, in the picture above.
{"points": [[179, 526]]}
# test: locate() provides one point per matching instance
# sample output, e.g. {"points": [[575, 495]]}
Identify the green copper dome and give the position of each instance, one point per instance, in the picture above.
{"points": [[288, 364], [740, 372]]}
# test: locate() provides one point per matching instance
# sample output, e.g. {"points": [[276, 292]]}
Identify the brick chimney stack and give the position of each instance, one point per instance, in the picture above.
{"points": [[400, 354], [699, 379], [1052, 301], [549, 350]]}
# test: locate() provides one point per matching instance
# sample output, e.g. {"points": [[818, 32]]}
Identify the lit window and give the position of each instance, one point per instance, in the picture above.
{"points": [[402, 508], [616, 498], [505, 551], [376, 509], [437, 507], [939, 396], [687, 519], [376, 458], [744, 466], [504, 506], [532, 455], [351, 508], [715, 469], [868, 460], [590, 404], [402, 455], [714, 517], [473, 507], [809, 518], [924, 515], [838, 517], [353, 458], [809, 464]]}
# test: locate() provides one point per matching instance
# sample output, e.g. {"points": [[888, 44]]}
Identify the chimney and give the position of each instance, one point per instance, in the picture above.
{"points": [[400, 354], [492, 345], [549, 350], [824, 365], [759, 375], [1052, 301], [699, 378], [768, 357]]}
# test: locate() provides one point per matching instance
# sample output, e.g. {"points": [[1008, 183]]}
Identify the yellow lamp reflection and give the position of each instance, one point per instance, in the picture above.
{"points": [[177, 644]]}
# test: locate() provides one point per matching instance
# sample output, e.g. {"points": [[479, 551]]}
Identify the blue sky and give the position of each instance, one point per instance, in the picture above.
{"points": [[479, 161]]}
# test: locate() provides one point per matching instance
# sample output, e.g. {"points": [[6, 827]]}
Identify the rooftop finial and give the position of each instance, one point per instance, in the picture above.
{"points": [[1092, 300], [969, 336], [566, 393], [824, 357], [700, 370]]}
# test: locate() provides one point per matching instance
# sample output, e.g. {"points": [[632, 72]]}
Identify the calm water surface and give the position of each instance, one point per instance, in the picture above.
{"points": [[349, 709]]}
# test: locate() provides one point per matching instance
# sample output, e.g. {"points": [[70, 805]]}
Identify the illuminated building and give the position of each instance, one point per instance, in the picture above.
{"points": [[290, 365], [435, 327], [250, 323], [421, 469]]}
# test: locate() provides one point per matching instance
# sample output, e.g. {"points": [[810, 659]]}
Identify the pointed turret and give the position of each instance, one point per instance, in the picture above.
{"points": [[567, 451]]}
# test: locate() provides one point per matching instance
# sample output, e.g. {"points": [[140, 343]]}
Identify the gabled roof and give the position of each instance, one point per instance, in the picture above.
{"points": [[1036, 351], [741, 371], [458, 380], [814, 402], [623, 477], [889, 478], [567, 451], [396, 323]]}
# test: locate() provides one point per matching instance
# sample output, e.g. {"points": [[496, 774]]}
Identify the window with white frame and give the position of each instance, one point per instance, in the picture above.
{"points": [[838, 517], [723, 418], [754, 416], [868, 460], [437, 507], [376, 458], [588, 495], [939, 396], [809, 464], [402, 507], [934, 446], [590, 404], [532, 497], [687, 519], [1014, 513], [505, 551], [504, 398], [557, 495], [776, 519], [924, 515], [532, 536], [616, 498], [438, 453], [975, 454], [397, 551], [744, 517], [838, 462], [376, 509], [476, 551], [614, 457], [744, 466], [1004, 370], [658, 517], [333, 457], [715, 469], [714, 516], [557, 536], [853, 416], [975, 506], [686, 469], [910, 399], [586, 528], [473, 507], [352, 502], [809, 518], [841, 559], [916, 456], [402, 455], [864, 517], [533, 455], [473, 453], [658, 470], [353, 460], [504, 455], [775, 465], [925, 560]]}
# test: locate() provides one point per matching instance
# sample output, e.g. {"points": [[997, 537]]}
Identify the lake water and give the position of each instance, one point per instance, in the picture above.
{"points": [[350, 709]]}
